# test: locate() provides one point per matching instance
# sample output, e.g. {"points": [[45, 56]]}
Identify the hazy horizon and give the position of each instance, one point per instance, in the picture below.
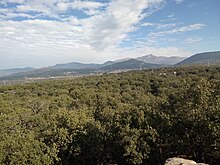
{"points": [[37, 33], [116, 60]]}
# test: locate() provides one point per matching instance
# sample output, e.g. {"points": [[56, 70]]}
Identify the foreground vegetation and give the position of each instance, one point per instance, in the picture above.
{"points": [[139, 117]]}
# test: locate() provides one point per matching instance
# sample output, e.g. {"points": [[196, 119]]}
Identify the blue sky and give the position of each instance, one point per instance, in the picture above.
{"points": [[46, 32]]}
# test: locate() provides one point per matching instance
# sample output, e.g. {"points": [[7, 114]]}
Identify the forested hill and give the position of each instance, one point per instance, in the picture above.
{"points": [[202, 58], [129, 64], [136, 117]]}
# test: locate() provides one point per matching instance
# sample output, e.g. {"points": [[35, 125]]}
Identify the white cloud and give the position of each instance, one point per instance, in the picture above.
{"points": [[105, 29], [171, 15], [165, 26], [12, 1], [193, 41], [112, 26], [48, 42], [160, 25], [177, 30], [95, 38], [190, 28], [170, 18], [10, 15], [179, 1], [147, 24], [88, 7], [53, 8], [78, 4]]}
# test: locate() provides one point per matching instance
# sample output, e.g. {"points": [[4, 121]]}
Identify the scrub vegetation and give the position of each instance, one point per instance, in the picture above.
{"points": [[136, 117]]}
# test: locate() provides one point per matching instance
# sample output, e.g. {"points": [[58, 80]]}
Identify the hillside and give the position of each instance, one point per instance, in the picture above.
{"points": [[129, 64], [202, 58], [160, 59]]}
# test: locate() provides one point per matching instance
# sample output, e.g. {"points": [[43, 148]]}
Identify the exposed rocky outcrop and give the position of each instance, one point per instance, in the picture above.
{"points": [[181, 161]]}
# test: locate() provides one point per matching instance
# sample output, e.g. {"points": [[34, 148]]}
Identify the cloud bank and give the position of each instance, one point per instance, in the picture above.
{"points": [[86, 31]]}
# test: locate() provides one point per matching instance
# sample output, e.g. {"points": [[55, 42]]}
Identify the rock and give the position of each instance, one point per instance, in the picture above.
{"points": [[181, 161]]}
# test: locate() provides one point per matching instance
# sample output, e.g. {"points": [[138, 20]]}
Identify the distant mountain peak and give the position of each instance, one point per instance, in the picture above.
{"points": [[149, 55], [123, 59], [150, 58], [131, 63]]}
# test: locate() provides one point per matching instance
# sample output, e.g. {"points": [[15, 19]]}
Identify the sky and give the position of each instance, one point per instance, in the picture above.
{"points": [[40, 33]]}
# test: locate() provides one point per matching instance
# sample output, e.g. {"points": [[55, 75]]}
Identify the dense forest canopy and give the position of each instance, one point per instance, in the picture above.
{"points": [[137, 117]]}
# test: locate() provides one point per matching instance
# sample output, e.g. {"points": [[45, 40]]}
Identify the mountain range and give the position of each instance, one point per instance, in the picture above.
{"points": [[75, 68], [129, 64], [149, 59]]}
